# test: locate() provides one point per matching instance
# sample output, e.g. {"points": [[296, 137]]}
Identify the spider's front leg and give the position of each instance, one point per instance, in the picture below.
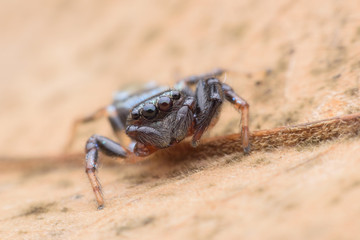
{"points": [[108, 147], [209, 97], [242, 105], [210, 94]]}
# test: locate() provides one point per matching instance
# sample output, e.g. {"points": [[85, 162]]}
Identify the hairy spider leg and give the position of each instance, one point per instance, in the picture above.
{"points": [[109, 148], [184, 119], [230, 96], [240, 104], [209, 96], [108, 111]]}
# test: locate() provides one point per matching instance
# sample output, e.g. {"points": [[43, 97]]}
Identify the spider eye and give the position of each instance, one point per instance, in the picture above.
{"points": [[135, 114], [175, 95], [164, 103], [149, 111]]}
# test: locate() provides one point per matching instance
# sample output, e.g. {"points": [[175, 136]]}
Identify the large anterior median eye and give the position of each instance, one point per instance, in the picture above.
{"points": [[149, 111], [164, 103]]}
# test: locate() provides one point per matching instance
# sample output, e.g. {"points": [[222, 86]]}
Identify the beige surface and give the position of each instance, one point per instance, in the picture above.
{"points": [[294, 61]]}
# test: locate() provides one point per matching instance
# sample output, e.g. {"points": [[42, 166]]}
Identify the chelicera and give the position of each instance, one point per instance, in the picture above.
{"points": [[157, 117]]}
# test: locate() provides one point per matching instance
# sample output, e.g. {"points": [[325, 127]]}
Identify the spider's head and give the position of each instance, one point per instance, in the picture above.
{"points": [[152, 122]]}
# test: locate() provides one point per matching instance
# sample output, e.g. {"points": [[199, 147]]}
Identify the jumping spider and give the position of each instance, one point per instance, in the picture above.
{"points": [[159, 117]]}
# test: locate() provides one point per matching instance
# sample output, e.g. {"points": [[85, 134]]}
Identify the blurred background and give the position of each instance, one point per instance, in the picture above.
{"points": [[293, 61]]}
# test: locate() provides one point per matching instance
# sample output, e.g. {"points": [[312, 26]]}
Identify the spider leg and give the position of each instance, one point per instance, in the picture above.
{"points": [[109, 112], [209, 96], [109, 148], [241, 104], [184, 119]]}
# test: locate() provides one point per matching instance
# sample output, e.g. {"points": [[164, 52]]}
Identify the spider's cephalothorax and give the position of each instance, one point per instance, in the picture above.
{"points": [[157, 117]]}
